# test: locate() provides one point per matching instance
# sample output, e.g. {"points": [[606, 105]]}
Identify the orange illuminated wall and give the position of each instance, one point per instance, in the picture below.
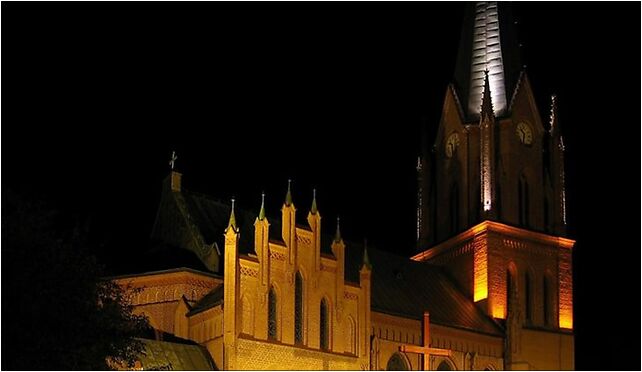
{"points": [[565, 290], [480, 270]]}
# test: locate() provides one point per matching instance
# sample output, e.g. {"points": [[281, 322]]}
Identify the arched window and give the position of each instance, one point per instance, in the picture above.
{"points": [[397, 363], [351, 336], [523, 201], [547, 301], [247, 315], [298, 309], [454, 209], [547, 216], [527, 296], [444, 366], [511, 287], [324, 330], [272, 318]]}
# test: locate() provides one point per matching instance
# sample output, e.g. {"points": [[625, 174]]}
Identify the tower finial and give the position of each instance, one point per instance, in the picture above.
{"points": [[232, 222], [313, 209], [487, 102], [337, 234], [262, 211], [366, 259], [553, 118], [288, 195], [172, 160]]}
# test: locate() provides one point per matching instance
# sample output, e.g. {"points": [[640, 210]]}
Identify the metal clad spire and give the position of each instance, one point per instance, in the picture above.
{"points": [[288, 195], [262, 211], [486, 56]]}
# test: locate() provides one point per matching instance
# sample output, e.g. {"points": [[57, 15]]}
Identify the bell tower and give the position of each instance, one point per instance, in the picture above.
{"points": [[491, 204]]}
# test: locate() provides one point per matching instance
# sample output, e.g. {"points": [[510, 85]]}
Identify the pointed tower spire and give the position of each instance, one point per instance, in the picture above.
{"points": [[554, 125], [232, 222], [288, 195], [262, 211], [337, 234], [366, 259], [488, 42], [313, 209], [487, 101]]}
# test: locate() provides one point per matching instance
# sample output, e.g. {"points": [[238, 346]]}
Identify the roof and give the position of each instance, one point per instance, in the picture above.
{"points": [[488, 42], [211, 217], [213, 298], [163, 355], [400, 286], [407, 288]]}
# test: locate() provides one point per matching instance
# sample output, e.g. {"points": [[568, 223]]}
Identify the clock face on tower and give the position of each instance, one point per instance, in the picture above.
{"points": [[524, 133], [451, 144]]}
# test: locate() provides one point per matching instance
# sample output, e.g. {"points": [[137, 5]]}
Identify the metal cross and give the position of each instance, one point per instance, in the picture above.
{"points": [[425, 350], [172, 160]]}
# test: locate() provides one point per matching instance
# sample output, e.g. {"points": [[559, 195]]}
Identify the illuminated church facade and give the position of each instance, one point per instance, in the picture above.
{"points": [[489, 288]]}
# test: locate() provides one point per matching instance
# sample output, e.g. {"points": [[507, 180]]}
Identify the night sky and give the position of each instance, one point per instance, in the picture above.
{"points": [[96, 96]]}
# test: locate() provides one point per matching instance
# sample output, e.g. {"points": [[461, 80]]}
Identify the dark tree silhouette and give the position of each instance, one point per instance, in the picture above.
{"points": [[57, 311]]}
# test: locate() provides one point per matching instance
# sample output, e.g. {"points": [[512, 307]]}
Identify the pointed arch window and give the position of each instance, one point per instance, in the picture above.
{"points": [[527, 297], [511, 288], [351, 336], [523, 201], [454, 209], [324, 330], [272, 314], [547, 301], [298, 309]]}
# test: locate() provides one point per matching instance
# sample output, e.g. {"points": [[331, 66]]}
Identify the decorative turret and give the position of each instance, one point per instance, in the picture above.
{"points": [[366, 260], [487, 152], [365, 282], [313, 209], [314, 220], [174, 176], [232, 221], [261, 247], [288, 195], [486, 110], [338, 250], [262, 210], [288, 224], [231, 294], [337, 233], [556, 151]]}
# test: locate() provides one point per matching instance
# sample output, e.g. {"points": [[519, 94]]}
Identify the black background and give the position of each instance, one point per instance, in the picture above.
{"points": [[96, 96]]}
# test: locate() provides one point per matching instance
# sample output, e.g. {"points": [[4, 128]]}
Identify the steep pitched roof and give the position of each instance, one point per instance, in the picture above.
{"points": [[488, 42], [407, 288], [183, 355], [213, 298], [400, 286]]}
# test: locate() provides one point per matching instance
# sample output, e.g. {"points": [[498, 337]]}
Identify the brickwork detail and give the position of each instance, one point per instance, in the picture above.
{"points": [[253, 355], [249, 272]]}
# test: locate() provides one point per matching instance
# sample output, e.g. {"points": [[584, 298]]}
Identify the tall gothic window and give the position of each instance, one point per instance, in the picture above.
{"points": [[351, 336], [527, 295], [454, 209], [272, 319], [546, 215], [511, 288], [298, 309], [324, 330], [523, 201], [547, 301]]}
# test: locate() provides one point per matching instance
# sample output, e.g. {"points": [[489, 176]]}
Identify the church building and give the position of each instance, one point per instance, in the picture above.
{"points": [[490, 287]]}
